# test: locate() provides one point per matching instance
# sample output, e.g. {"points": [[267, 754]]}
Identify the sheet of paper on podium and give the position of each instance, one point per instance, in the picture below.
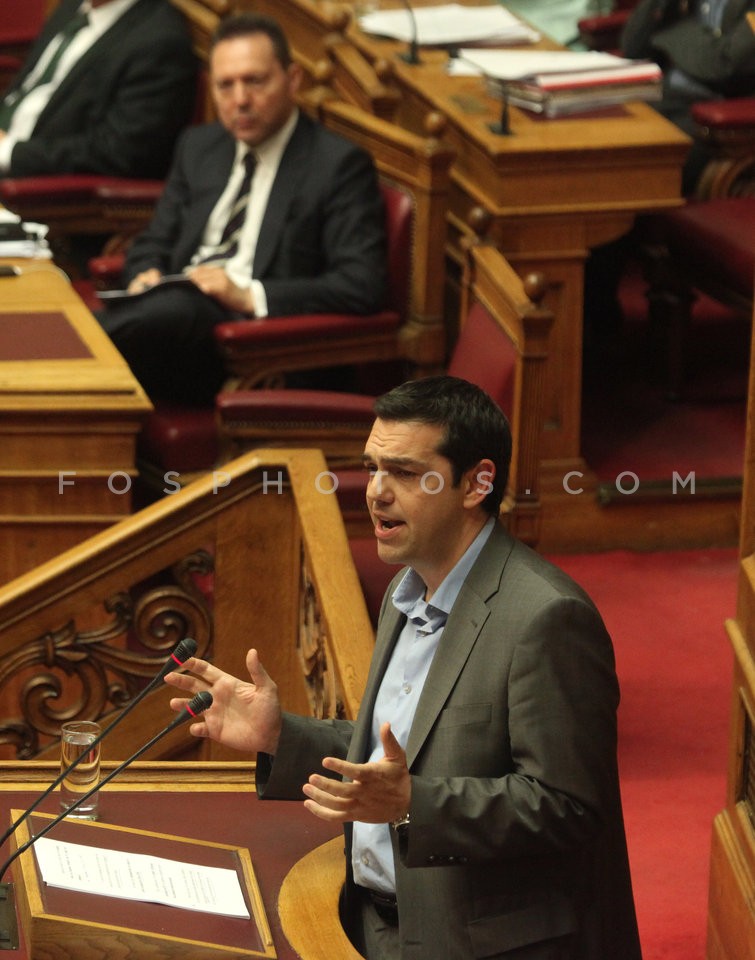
{"points": [[136, 876], [449, 25]]}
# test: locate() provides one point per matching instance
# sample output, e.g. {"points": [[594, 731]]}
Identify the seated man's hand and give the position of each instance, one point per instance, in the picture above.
{"points": [[144, 280], [216, 283]]}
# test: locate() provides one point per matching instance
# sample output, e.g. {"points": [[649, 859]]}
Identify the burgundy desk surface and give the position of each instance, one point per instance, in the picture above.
{"points": [[276, 834], [47, 335]]}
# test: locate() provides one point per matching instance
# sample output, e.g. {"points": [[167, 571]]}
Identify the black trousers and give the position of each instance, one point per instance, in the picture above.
{"points": [[166, 338]]}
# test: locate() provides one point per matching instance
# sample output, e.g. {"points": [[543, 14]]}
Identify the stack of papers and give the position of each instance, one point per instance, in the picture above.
{"points": [[555, 82], [450, 25], [22, 240]]}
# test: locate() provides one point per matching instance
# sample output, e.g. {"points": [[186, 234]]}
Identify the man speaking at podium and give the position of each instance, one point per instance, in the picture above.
{"points": [[478, 787]]}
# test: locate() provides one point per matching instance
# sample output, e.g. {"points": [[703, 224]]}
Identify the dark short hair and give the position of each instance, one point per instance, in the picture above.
{"points": [[475, 426], [244, 24]]}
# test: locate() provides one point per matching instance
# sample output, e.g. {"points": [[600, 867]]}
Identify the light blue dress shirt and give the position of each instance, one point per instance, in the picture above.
{"points": [[399, 693]]}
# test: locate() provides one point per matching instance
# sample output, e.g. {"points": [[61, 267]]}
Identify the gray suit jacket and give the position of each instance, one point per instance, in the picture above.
{"points": [[516, 834], [120, 108], [321, 246], [669, 31]]}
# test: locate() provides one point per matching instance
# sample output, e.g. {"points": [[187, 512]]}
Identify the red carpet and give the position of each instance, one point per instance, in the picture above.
{"points": [[666, 614]]}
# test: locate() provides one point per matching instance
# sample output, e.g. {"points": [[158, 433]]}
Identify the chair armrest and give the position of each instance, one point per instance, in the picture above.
{"points": [[726, 129], [338, 424], [106, 270], [722, 115], [129, 190], [603, 32], [67, 187], [260, 352], [81, 186], [274, 330], [287, 408]]}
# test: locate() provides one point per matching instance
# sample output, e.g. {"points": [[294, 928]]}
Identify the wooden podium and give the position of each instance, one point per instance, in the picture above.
{"points": [[731, 909], [214, 810], [70, 411]]}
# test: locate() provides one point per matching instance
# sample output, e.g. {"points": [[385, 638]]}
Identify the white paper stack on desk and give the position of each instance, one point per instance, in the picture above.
{"points": [[450, 24], [557, 83], [22, 240]]}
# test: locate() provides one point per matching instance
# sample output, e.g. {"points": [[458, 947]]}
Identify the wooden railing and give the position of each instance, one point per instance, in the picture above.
{"points": [[254, 555]]}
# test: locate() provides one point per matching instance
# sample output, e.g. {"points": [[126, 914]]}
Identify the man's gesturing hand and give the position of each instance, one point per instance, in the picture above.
{"points": [[377, 792], [244, 716]]}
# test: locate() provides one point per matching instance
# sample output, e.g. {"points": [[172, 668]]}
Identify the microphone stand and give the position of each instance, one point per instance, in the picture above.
{"points": [[8, 924], [503, 125], [185, 649], [411, 55]]}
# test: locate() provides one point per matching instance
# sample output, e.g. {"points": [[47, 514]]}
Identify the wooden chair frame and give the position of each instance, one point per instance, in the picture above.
{"points": [[516, 305]]}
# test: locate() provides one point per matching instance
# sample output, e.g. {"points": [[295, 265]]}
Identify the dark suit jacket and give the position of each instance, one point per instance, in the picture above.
{"points": [[516, 833], [663, 30], [121, 107], [321, 246]]}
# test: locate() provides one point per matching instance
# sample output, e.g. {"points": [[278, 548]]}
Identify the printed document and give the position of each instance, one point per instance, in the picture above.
{"points": [[136, 876]]}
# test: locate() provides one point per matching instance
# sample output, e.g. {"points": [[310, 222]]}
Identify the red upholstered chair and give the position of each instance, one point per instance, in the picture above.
{"points": [[263, 351], [726, 128], [704, 246], [8, 67], [73, 205], [414, 171], [707, 245], [602, 31], [501, 346], [182, 442], [21, 22]]}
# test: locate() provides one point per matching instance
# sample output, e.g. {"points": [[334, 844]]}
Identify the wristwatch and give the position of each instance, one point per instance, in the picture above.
{"points": [[401, 827]]}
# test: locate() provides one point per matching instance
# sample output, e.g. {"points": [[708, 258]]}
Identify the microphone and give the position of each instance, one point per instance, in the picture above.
{"points": [[198, 704], [412, 54], [182, 652], [503, 126]]}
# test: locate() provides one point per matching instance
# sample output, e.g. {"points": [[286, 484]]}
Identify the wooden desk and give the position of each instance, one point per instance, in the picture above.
{"points": [[216, 802], [550, 191], [70, 411]]}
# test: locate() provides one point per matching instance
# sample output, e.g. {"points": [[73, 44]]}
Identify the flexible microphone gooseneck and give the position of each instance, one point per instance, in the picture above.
{"points": [[412, 54], [181, 653], [198, 704]]}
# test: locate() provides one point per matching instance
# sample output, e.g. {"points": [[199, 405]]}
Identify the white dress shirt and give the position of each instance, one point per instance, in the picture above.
{"points": [[30, 108], [240, 267]]}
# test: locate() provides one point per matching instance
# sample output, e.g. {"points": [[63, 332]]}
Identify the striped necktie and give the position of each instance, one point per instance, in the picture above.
{"points": [[77, 22], [228, 244]]}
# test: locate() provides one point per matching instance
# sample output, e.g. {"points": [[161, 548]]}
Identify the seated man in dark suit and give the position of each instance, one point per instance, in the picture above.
{"points": [[106, 88], [266, 213], [707, 51]]}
